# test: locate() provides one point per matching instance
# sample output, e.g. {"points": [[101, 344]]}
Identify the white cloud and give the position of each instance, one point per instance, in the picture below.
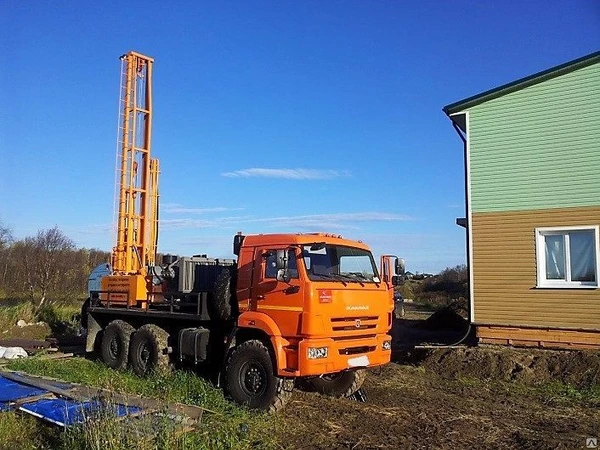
{"points": [[311, 221], [175, 208], [290, 174], [178, 224], [335, 218]]}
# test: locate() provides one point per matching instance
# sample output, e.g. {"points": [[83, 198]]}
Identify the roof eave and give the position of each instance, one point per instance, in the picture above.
{"points": [[553, 72]]}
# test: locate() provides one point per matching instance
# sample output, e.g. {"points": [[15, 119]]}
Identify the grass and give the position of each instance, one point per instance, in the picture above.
{"points": [[62, 317], [557, 392], [11, 312], [230, 427], [21, 432], [553, 391], [566, 392]]}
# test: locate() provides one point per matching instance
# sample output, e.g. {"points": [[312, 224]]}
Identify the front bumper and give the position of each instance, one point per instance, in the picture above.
{"points": [[343, 354]]}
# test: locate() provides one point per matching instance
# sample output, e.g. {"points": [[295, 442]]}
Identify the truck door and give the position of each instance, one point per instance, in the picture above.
{"points": [[282, 301]]}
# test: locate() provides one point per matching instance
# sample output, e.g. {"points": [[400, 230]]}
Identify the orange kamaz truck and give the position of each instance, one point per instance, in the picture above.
{"points": [[312, 309]]}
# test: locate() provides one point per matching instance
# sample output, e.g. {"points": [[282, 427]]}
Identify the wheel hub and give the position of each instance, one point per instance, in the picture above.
{"points": [[114, 347], [144, 355], [254, 379]]}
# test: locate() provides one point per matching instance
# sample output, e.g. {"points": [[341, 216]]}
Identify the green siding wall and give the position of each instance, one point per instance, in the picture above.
{"points": [[539, 147]]}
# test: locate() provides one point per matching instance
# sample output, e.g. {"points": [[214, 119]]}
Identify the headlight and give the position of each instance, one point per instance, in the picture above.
{"points": [[387, 345], [317, 352]]}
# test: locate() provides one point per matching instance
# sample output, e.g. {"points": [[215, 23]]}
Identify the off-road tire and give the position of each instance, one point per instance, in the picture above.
{"points": [[250, 378], [83, 319], [148, 352], [114, 347], [341, 384], [223, 295]]}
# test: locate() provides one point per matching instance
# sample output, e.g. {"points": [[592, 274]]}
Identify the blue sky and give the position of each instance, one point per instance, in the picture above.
{"points": [[269, 116]]}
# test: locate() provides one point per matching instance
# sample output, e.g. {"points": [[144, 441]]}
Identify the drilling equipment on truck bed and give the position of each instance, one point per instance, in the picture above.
{"points": [[309, 307], [137, 200]]}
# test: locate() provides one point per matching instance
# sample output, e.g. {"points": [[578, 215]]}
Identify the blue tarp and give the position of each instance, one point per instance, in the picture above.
{"points": [[67, 412], [57, 410], [11, 390]]}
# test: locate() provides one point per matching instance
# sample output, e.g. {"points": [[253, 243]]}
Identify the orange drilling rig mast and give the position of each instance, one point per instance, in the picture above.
{"points": [[137, 200]]}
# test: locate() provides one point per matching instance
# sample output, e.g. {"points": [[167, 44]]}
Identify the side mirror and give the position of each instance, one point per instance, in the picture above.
{"points": [[281, 259], [400, 267], [281, 263], [397, 280], [238, 239], [283, 275]]}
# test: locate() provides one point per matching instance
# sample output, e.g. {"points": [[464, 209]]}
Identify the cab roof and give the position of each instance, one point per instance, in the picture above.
{"points": [[254, 240]]}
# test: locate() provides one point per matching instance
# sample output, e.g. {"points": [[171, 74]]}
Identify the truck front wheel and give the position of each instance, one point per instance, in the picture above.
{"points": [[250, 378], [341, 384], [115, 344], [148, 352]]}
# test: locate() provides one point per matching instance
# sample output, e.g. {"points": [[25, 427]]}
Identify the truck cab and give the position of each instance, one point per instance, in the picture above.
{"points": [[319, 298]]}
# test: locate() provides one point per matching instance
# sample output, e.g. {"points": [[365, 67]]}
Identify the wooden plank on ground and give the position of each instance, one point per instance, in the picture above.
{"points": [[85, 393], [191, 411], [41, 384], [25, 343]]}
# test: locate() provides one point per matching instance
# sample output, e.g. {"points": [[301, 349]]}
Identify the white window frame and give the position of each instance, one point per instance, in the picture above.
{"points": [[542, 281]]}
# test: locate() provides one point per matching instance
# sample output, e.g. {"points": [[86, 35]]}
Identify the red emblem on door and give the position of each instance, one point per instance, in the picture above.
{"points": [[325, 296]]}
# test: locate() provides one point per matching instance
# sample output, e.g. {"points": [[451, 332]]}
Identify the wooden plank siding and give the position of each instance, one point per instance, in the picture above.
{"points": [[538, 337], [504, 272], [533, 161], [538, 148]]}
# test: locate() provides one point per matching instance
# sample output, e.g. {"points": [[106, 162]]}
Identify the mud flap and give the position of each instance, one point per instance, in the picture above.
{"points": [[359, 396]]}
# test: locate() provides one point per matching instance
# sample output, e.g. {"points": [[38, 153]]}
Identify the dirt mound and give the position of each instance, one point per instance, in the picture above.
{"points": [[445, 319], [530, 366]]}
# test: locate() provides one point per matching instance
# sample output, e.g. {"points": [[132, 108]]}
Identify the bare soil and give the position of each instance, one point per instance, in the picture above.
{"points": [[454, 399]]}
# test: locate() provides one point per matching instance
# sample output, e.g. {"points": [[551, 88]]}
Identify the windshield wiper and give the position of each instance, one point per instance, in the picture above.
{"points": [[329, 276], [348, 277], [360, 275]]}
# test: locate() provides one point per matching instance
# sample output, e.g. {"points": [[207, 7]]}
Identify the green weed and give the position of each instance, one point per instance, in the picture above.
{"points": [[568, 392], [229, 427], [11, 312], [19, 432]]}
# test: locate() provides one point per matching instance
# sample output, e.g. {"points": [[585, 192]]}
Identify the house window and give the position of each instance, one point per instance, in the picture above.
{"points": [[567, 257]]}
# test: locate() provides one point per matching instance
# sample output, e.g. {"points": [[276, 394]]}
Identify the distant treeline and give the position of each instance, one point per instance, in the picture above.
{"points": [[451, 285], [45, 267]]}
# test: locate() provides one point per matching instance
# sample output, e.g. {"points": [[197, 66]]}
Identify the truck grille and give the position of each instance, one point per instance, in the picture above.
{"points": [[354, 323]]}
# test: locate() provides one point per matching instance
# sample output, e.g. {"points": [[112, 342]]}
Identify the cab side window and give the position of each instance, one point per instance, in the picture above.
{"points": [[271, 265]]}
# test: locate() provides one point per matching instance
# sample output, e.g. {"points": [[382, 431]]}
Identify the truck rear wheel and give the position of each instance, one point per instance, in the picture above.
{"points": [[341, 384], [148, 352], [115, 344], [250, 378]]}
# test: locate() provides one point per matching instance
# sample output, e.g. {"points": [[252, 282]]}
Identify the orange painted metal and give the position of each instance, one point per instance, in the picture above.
{"points": [[138, 172], [350, 319]]}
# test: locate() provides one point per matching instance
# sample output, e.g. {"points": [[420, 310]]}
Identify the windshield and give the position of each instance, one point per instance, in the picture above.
{"points": [[348, 264]]}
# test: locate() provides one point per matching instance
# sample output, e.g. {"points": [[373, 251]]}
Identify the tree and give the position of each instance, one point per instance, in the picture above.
{"points": [[46, 259], [5, 236], [6, 239]]}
